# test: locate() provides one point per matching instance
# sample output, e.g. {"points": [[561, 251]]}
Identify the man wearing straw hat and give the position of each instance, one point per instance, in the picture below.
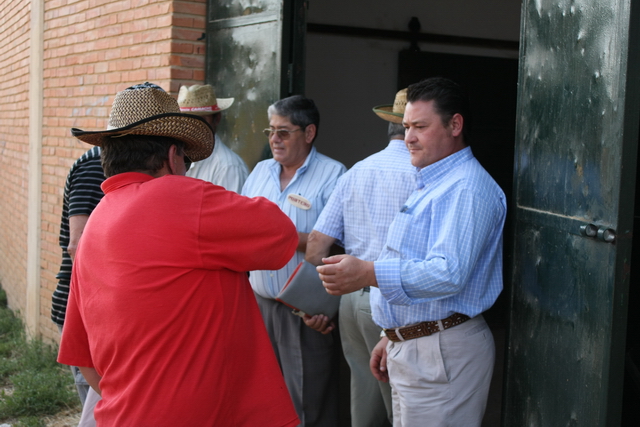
{"points": [[223, 167], [160, 306], [299, 180], [358, 214], [440, 268]]}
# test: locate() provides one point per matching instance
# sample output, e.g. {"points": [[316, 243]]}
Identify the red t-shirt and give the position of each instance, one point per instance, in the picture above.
{"points": [[161, 307]]}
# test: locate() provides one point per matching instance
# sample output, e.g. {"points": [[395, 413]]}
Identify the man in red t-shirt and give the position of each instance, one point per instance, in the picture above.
{"points": [[161, 318]]}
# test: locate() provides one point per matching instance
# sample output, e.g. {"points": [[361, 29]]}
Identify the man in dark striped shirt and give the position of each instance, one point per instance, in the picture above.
{"points": [[82, 193]]}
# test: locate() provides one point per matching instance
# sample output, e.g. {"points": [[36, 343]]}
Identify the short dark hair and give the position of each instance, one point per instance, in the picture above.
{"points": [[137, 153], [449, 99], [299, 110], [395, 129]]}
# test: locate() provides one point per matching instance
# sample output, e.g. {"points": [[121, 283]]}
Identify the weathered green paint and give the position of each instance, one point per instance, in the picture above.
{"points": [[249, 52], [575, 163]]}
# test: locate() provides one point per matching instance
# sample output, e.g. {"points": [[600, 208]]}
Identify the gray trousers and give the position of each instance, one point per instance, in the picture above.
{"points": [[370, 398], [86, 418], [308, 363], [442, 380]]}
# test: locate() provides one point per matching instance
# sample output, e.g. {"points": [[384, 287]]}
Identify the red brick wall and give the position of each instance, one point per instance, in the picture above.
{"points": [[14, 148], [92, 49], [187, 52]]}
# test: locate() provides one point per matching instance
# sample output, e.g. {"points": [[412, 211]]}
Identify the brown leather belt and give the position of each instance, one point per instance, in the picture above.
{"points": [[425, 329]]}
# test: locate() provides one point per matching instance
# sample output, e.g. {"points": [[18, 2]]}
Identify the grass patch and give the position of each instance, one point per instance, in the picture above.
{"points": [[33, 383]]}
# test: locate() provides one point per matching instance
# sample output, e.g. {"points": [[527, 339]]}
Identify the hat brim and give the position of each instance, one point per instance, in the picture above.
{"points": [[223, 104], [193, 131], [385, 112]]}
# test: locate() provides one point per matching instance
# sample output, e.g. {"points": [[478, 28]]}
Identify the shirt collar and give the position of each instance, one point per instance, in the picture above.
{"points": [[437, 170], [397, 144], [275, 167], [122, 179], [217, 143]]}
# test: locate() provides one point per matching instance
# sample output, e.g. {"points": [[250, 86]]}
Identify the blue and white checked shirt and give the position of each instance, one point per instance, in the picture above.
{"points": [[366, 199], [314, 181], [444, 248]]}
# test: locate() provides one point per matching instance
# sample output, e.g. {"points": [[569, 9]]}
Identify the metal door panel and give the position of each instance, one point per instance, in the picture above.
{"points": [[575, 163], [255, 53], [226, 9], [559, 341], [244, 63], [244, 42]]}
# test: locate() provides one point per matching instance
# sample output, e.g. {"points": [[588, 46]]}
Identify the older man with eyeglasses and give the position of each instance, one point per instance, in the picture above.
{"points": [[299, 180]]}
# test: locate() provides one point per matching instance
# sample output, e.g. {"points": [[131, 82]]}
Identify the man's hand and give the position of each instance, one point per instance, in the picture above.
{"points": [[320, 323], [318, 247], [343, 274], [378, 362]]}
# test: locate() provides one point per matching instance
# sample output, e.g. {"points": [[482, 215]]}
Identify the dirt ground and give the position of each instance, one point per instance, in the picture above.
{"points": [[68, 418]]}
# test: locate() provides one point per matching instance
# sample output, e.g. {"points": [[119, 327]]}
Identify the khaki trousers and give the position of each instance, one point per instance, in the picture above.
{"points": [[443, 379], [370, 398]]}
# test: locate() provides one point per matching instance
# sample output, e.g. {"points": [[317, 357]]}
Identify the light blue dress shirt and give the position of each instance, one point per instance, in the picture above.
{"points": [[366, 199], [314, 181], [444, 249]]}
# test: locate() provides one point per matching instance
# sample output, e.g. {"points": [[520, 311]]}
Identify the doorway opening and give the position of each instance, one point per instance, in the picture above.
{"points": [[631, 382], [492, 86]]}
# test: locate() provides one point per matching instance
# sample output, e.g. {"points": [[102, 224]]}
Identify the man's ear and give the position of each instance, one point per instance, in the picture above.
{"points": [[310, 133], [171, 161], [457, 122]]}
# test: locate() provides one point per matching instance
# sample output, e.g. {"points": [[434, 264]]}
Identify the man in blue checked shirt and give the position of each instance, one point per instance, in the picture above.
{"points": [[299, 180], [441, 267]]}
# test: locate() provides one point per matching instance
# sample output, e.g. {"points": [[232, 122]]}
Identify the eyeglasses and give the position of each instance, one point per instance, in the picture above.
{"points": [[282, 133], [187, 163]]}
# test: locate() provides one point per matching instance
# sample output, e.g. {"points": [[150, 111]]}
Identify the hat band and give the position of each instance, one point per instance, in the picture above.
{"points": [[195, 109]]}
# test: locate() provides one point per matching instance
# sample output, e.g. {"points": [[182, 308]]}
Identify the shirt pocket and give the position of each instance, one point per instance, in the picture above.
{"points": [[399, 232]]}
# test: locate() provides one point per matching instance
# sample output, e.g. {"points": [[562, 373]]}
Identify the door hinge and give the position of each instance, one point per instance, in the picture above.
{"points": [[605, 234]]}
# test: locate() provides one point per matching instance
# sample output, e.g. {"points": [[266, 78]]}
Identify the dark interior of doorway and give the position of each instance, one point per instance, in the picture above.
{"points": [[631, 387], [492, 87]]}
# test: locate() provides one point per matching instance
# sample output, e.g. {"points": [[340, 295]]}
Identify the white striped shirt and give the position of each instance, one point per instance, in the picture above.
{"points": [[314, 181]]}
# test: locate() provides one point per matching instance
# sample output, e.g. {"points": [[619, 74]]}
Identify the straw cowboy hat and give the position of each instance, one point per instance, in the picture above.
{"points": [[393, 113], [146, 109], [201, 100]]}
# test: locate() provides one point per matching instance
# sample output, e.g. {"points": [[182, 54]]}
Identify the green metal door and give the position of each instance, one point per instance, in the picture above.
{"points": [[255, 53], [575, 173]]}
